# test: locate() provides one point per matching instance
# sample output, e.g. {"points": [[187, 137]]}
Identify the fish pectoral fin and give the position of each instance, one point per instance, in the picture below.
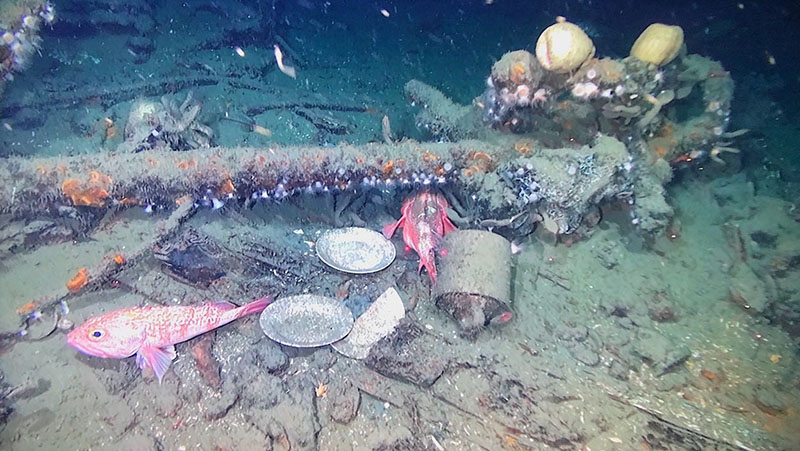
{"points": [[447, 225], [159, 359], [389, 229]]}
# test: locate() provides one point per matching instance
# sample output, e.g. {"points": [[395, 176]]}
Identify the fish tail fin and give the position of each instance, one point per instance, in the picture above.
{"points": [[254, 307], [431, 267]]}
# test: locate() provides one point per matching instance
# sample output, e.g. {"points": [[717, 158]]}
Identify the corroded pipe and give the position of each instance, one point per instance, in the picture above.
{"points": [[212, 176]]}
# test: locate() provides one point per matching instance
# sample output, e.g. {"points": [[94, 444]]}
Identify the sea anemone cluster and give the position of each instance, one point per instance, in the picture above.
{"points": [[20, 40], [515, 83], [599, 78]]}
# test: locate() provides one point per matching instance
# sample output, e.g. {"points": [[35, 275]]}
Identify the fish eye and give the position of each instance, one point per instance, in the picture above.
{"points": [[97, 334]]}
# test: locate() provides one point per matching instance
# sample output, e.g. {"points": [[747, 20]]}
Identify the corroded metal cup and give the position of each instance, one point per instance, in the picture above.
{"points": [[474, 282]]}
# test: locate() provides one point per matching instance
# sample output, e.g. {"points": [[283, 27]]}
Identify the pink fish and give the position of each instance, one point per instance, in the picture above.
{"points": [[424, 223], [151, 332]]}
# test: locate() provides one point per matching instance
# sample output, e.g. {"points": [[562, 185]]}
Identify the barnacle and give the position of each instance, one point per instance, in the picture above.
{"points": [[79, 281]]}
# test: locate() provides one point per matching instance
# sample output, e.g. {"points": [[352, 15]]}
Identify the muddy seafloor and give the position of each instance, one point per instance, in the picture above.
{"points": [[613, 344]]}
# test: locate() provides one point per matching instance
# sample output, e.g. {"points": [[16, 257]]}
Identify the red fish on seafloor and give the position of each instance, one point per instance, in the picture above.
{"points": [[424, 223], [151, 332]]}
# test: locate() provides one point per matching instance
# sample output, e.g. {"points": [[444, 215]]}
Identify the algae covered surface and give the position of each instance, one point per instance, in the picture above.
{"points": [[164, 155]]}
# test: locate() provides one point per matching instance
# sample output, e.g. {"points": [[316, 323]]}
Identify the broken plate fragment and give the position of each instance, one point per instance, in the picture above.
{"points": [[378, 321], [355, 250], [306, 321]]}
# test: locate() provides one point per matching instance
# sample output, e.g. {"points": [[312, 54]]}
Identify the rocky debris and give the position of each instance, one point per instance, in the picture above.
{"points": [[608, 252], [205, 361], [409, 354], [441, 117], [259, 390], [136, 441], [246, 437], [770, 401], [748, 290], [106, 16], [585, 353], [672, 381], [402, 444], [166, 125], [141, 47], [341, 402], [29, 119], [659, 352], [116, 375], [662, 314], [30, 388], [193, 258], [380, 318], [120, 418], [5, 408], [572, 332], [218, 404], [269, 356], [652, 213], [18, 235], [472, 312], [566, 184], [734, 195]]}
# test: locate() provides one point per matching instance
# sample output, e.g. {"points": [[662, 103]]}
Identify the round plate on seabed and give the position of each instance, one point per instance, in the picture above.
{"points": [[306, 321], [355, 250]]}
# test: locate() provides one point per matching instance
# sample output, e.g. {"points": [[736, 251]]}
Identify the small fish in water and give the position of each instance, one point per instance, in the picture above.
{"points": [[151, 332], [279, 59], [424, 223]]}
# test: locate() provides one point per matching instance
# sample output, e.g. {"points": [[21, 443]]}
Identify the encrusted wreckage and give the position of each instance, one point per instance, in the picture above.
{"points": [[552, 144]]}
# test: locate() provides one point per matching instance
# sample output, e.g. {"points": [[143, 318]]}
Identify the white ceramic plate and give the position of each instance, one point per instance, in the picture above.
{"points": [[306, 321], [355, 250]]}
